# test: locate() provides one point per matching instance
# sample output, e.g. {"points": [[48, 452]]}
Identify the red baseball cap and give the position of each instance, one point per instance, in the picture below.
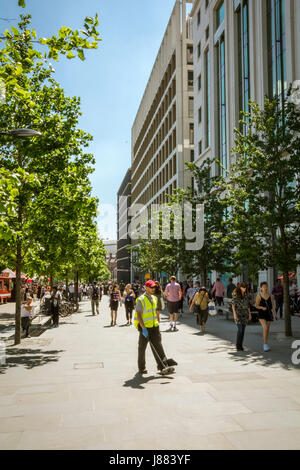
{"points": [[150, 284]]}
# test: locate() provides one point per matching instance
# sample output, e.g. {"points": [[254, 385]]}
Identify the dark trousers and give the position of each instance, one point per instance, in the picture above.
{"points": [[25, 324], [55, 314], [279, 304], [240, 335], [155, 338], [128, 309]]}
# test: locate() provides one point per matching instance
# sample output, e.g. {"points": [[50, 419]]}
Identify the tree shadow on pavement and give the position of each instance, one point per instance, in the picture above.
{"points": [[138, 381], [280, 354], [221, 334], [29, 358]]}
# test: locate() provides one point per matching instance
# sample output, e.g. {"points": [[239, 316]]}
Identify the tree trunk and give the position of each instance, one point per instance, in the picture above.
{"points": [[18, 293], [19, 267], [204, 276], [51, 281], [286, 303]]}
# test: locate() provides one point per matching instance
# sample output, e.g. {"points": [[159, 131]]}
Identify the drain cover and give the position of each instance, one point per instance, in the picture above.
{"points": [[89, 365]]}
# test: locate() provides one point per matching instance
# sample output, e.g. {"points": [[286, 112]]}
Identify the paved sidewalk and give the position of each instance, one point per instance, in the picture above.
{"points": [[75, 387]]}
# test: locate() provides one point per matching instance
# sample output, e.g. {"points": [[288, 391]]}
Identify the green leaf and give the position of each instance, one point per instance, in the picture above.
{"points": [[81, 54], [89, 20]]}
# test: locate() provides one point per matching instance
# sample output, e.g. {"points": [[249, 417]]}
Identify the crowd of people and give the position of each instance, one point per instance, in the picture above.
{"points": [[245, 304]]}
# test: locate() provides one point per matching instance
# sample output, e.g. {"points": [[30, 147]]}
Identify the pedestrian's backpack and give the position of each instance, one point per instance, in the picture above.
{"points": [[95, 293], [212, 309]]}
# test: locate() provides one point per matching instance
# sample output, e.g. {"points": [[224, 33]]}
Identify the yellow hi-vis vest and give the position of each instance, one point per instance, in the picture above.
{"points": [[149, 312]]}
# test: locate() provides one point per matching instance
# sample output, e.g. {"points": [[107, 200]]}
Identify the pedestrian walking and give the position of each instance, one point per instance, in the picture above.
{"points": [[159, 295], [180, 303], [230, 288], [129, 299], [173, 293], [146, 320], [241, 313], [115, 299], [189, 292], [219, 290], [200, 301], [95, 298], [277, 292], [194, 291], [71, 291], [266, 309], [54, 306], [27, 313]]}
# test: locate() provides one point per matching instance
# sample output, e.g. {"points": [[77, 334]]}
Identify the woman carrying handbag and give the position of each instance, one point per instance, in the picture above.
{"points": [[201, 300]]}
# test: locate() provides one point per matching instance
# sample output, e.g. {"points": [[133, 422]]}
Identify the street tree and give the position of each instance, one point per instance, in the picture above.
{"points": [[34, 99], [213, 256], [263, 191]]}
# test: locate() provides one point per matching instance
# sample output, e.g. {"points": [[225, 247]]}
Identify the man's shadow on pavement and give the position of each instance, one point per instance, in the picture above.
{"points": [[138, 381]]}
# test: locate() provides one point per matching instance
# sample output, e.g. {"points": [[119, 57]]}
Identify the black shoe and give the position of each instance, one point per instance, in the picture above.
{"points": [[240, 349], [142, 372], [171, 362]]}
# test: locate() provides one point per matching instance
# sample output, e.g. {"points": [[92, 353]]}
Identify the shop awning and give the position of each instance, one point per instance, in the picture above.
{"points": [[8, 273]]}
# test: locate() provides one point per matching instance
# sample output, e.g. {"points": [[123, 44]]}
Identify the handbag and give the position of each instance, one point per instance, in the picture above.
{"points": [[212, 309]]}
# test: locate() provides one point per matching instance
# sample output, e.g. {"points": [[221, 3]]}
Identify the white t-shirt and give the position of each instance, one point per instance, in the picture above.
{"points": [[56, 298], [25, 313], [71, 289]]}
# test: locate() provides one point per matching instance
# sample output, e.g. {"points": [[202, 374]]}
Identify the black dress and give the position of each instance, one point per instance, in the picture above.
{"points": [[265, 314]]}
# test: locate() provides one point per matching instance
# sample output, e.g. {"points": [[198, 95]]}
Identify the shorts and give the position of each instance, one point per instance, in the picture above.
{"points": [[173, 307], [265, 315], [114, 304], [202, 315]]}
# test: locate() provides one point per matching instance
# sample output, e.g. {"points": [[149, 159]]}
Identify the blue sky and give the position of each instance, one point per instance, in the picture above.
{"points": [[110, 82]]}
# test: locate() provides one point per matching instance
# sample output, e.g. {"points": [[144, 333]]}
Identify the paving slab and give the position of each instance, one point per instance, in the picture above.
{"points": [[77, 387]]}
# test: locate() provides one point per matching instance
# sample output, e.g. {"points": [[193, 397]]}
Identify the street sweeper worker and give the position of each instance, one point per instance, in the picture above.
{"points": [[146, 321]]}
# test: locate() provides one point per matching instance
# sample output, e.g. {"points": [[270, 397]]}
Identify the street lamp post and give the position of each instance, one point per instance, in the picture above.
{"points": [[19, 133]]}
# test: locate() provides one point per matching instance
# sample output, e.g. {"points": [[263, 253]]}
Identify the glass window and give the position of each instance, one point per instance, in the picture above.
{"points": [[277, 48], [222, 101], [243, 58], [199, 83], [220, 14], [190, 80], [199, 49], [199, 115], [191, 133], [191, 106], [206, 3], [207, 33], [190, 55], [199, 17], [207, 98], [200, 147]]}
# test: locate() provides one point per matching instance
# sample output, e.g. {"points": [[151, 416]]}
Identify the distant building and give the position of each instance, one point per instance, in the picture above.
{"points": [[162, 133], [111, 257], [163, 130], [124, 241]]}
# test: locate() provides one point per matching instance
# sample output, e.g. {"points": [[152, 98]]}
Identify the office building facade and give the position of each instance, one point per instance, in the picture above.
{"points": [[242, 49], [124, 241], [162, 133]]}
